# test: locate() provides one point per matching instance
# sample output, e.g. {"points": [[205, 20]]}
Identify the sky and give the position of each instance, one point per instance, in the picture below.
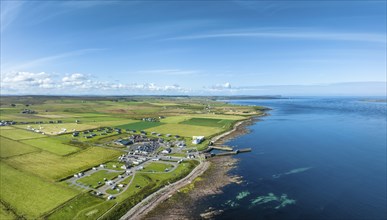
{"points": [[220, 47]]}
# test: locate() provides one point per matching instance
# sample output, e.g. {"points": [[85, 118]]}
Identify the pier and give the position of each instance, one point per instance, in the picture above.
{"points": [[243, 150], [224, 148]]}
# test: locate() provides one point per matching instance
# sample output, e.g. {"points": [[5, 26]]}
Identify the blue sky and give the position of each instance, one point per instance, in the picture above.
{"points": [[193, 47]]}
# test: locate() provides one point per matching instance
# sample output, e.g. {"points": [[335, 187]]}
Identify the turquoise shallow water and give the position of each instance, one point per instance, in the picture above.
{"points": [[312, 158]]}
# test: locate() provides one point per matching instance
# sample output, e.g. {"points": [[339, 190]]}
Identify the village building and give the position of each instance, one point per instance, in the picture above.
{"points": [[197, 139]]}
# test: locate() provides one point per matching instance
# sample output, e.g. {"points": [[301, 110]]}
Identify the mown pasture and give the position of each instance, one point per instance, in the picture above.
{"points": [[141, 125], [52, 145], [30, 196], [180, 118], [209, 122], [20, 134], [5, 128], [9, 148], [120, 122], [53, 167], [185, 130]]}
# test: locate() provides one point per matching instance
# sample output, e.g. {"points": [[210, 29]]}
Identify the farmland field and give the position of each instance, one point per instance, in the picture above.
{"points": [[141, 125], [210, 122], [181, 118], [54, 167], [10, 148], [23, 190], [111, 123], [6, 128], [185, 130], [19, 134], [52, 144]]}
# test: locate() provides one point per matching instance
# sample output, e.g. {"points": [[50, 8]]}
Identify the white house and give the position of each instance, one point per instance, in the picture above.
{"points": [[166, 151], [197, 139]]}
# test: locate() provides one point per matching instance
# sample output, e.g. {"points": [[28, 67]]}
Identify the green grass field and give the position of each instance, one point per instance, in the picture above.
{"points": [[208, 122], [139, 182], [98, 176], [55, 129], [54, 167], [9, 148], [76, 205], [6, 214], [19, 134], [185, 117], [6, 127], [29, 195], [185, 130], [118, 122], [94, 212], [157, 167], [141, 125], [52, 145]]}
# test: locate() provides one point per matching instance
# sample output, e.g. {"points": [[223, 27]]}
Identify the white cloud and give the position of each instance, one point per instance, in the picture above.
{"points": [[223, 86], [76, 83], [77, 80], [25, 80]]}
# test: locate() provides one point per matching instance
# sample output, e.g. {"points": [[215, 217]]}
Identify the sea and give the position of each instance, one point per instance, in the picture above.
{"points": [[312, 158]]}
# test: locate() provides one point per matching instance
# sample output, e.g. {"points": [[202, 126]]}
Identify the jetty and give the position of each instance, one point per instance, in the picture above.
{"points": [[232, 152], [224, 148]]}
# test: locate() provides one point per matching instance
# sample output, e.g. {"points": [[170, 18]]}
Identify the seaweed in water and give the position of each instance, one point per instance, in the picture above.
{"points": [[242, 195], [282, 200], [231, 204]]}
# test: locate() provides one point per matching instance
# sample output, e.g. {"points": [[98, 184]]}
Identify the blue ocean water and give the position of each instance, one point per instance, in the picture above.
{"points": [[312, 158]]}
